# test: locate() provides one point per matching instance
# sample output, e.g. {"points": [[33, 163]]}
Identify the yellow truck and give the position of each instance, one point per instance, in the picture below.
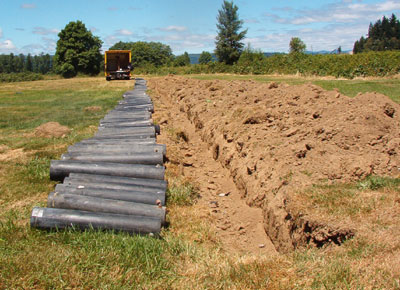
{"points": [[117, 65]]}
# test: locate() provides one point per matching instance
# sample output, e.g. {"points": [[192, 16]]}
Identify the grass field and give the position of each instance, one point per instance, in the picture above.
{"points": [[188, 254]]}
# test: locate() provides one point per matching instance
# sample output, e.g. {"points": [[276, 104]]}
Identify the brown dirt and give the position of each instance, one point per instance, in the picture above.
{"points": [[92, 109], [51, 129], [267, 142], [7, 154]]}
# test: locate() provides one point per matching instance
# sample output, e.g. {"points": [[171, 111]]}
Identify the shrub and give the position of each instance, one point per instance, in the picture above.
{"points": [[19, 77]]}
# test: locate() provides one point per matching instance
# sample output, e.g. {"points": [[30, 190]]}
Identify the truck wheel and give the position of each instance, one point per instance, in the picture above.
{"points": [[108, 78]]}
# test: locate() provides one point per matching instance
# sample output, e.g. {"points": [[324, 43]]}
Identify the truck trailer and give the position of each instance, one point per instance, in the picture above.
{"points": [[117, 65]]}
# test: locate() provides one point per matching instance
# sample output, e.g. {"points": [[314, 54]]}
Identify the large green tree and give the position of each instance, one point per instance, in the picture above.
{"points": [[229, 43], [146, 53], [382, 35], [296, 45], [78, 51], [182, 60], [205, 57]]}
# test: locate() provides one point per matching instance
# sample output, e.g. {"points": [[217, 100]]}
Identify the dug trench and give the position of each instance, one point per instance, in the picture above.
{"points": [[252, 147]]}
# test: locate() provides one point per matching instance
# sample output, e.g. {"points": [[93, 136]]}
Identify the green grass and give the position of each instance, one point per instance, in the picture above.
{"points": [[387, 86], [188, 255], [347, 199], [33, 259], [181, 192]]}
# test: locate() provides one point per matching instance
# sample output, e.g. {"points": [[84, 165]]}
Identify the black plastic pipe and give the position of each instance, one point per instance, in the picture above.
{"points": [[118, 133], [125, 195], [135, 102], [133, 109], [133, 106], [81, 184], [56, 218], [114, 141], [129, 124], [136, 130], [96, 204], [95, 178], [132, 149], [142, 158], [59, 169], [124, 137], [133, 123], [134, 114]]}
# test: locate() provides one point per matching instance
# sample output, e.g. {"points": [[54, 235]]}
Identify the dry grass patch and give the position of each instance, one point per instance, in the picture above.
{"points": [[370, 260]]}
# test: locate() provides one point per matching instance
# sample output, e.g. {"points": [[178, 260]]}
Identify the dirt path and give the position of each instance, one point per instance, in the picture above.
{"points": [[238, 226]]}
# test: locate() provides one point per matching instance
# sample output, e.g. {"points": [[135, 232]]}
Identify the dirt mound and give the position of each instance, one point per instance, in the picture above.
{"points": [[51, 129], [277, 139]]}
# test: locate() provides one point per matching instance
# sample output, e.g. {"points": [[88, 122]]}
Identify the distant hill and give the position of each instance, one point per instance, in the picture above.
{"points": [[194, 57]]}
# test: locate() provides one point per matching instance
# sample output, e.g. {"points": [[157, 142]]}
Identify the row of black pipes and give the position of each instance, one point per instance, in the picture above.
{"points": [[114, 180]]}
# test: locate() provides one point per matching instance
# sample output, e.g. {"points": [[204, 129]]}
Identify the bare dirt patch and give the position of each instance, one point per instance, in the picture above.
{"points": [[7, 154], [52, 129], [272, 141], [92, 109]]}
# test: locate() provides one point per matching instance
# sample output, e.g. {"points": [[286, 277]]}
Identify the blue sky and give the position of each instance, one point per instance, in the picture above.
{"points": [[190, 25]]}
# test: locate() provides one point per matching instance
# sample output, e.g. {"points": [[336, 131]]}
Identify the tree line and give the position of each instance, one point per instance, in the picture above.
{"points": [[382, 35], [152, 54], [10, 63], [78, 50]]}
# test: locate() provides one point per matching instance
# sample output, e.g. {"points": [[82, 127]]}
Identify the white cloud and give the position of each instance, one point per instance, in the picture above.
{"points": [[7, 46], [45, 31], [343, 12], [50, 44], [28, 6], [388, 6], [1, 33], [181, 42], [33, 49], [315, 39], [93, 29], [174, 28], [125, 32], [251, 20]]}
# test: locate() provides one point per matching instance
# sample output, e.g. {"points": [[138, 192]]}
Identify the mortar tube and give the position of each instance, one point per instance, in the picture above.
{"points": [[140, 158], [125, 195], [96, 204], [156, 183], [59, 169], [83, 184], [56, 218]]}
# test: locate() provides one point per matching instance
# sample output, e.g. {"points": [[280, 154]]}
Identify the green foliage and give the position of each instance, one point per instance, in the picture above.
{"points": [[16, 64], [19, 77], [377, 182], [369, 64], [182, 60], [383, 35], [205, 57], [181, 193], [296, 45], [146, 53], [228, 41], [250, 61], [78, 51]]}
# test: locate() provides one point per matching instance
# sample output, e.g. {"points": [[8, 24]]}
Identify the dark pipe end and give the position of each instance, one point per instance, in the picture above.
{"points": [[157, 128]]}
